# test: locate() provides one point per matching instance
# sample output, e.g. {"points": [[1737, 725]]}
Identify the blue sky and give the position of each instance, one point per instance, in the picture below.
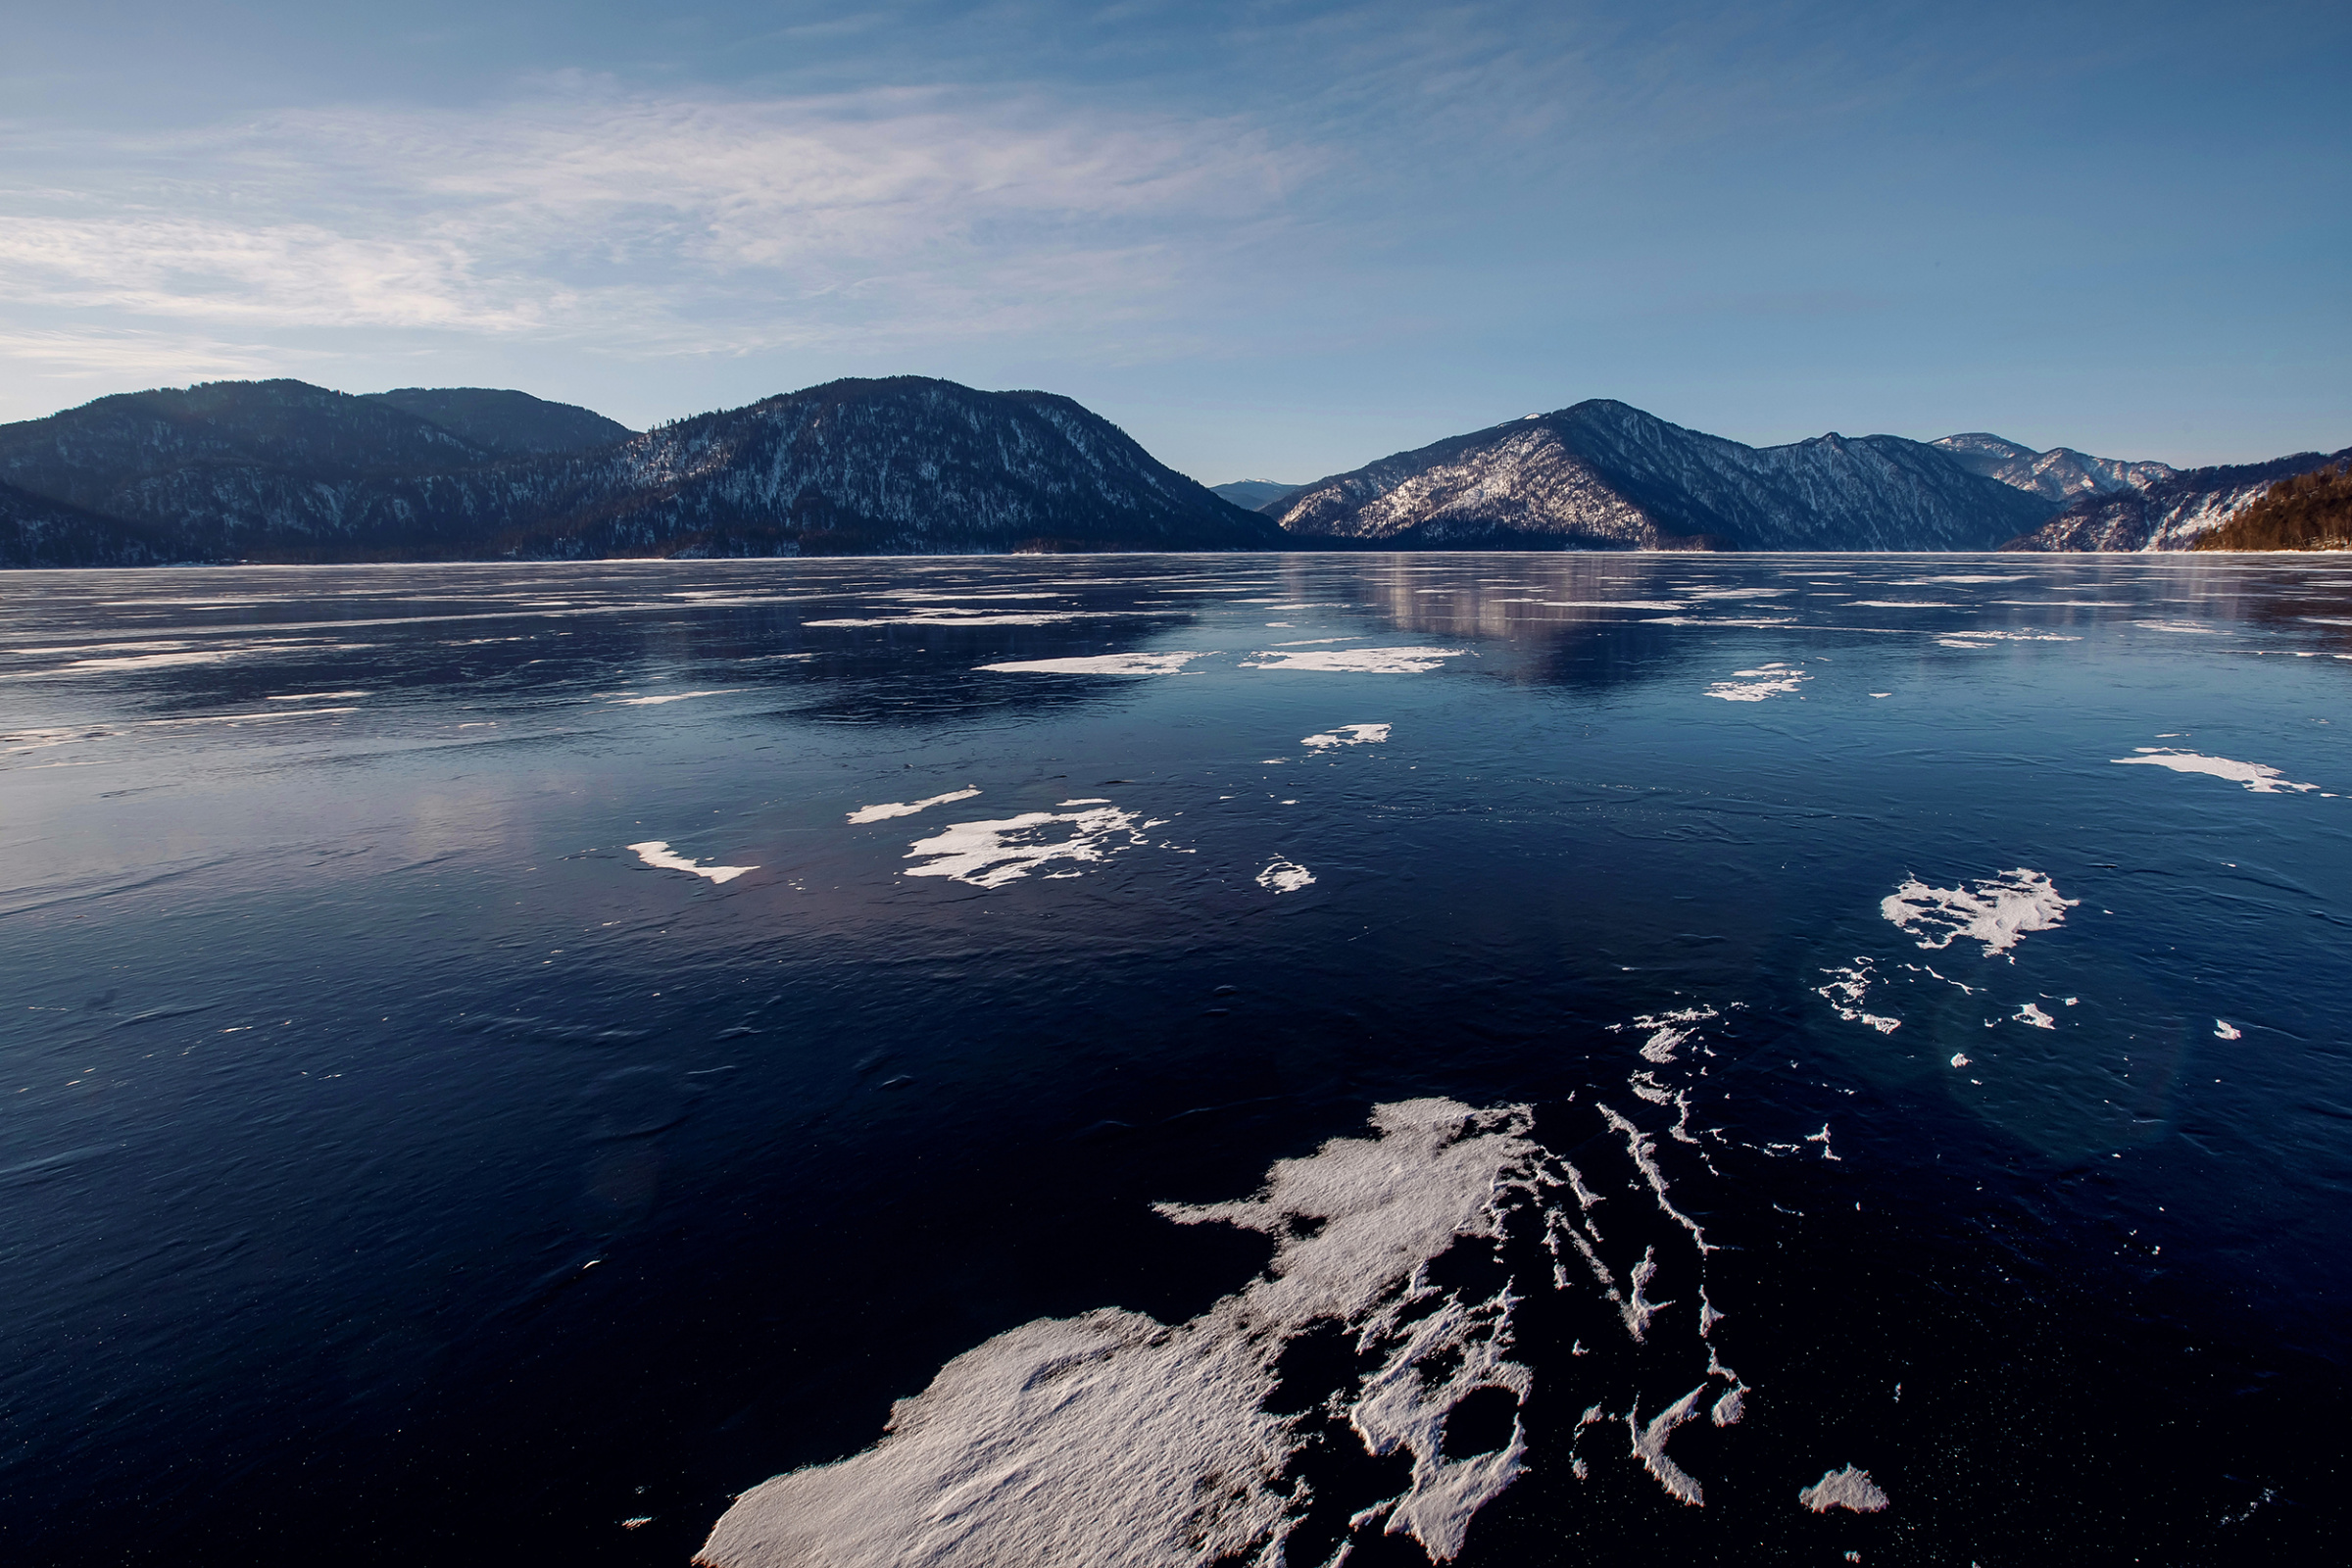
{"points": [[1269, 239]]}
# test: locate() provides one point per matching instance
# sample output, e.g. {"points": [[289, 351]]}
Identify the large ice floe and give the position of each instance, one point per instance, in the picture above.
{"points": [[656, 852], [1098, 665], [1998, 911], [1116, 1440], [989, 854], [885, 812], [2253, 775], [1345, 735], [1358, 661], [1755, 685]]}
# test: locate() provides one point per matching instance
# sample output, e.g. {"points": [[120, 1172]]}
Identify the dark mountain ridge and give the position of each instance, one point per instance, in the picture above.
{"points": [[1603, 475], [507, 423], [283, 471]]}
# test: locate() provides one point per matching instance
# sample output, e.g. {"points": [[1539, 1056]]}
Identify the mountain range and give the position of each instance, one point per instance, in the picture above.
{"points": [[284, 471]]}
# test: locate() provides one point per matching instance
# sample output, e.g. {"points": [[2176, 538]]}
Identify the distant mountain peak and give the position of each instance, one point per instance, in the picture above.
{"points": [[2059, 475]]}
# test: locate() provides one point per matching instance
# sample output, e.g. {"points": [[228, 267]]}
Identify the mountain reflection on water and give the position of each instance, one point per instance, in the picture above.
{"points": [[415, 1154]]}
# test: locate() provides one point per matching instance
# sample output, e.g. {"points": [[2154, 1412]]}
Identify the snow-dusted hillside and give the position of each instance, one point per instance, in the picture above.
{"points": [[2172, 514], [2059, 475], [1606, 475]]}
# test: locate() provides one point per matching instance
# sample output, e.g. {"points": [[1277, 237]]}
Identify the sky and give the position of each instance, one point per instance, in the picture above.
{"points": [[1270, 240]]}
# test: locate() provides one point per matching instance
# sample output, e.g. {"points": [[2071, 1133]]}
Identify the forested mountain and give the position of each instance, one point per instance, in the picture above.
{"points": [[506, 422], [2307, 511], [1605, 475], [2173, 513], [280, 470]]}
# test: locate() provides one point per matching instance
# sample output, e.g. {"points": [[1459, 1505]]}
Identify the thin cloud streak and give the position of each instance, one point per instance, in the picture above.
{"points": [[659, 226]]}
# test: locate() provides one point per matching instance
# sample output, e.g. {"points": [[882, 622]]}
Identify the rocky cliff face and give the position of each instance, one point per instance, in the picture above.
{"points": [[2173, 514], [1605, 475], [2059, 475], [279, 470]]}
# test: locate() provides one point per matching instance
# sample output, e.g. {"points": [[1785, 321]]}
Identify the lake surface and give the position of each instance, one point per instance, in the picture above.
{"points": [[1541, 1058]]}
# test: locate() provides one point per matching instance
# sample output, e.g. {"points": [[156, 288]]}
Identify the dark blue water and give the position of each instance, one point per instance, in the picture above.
{"points": [[398, 1166]]}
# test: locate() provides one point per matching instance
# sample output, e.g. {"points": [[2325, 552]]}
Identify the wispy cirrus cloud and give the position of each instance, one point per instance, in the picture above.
{"points": [[658, 225]]}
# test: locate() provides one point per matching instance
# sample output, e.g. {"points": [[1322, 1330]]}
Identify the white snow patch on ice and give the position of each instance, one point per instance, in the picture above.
{"points": [[1346, 735], [669, 697], [1848, 1488], [1847, 989], [2032, 1015], [656, 852], [2253, 775], [1358, 661], [1285, 877], [2224, 1029], [989, 854], [883, 814], [1098, 664], [1998, 912], [1649, 1445], [1115, 1440], [1769, 680]]}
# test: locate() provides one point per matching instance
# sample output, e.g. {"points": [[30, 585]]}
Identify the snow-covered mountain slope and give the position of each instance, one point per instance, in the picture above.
{"points": [[283, 471], [2058, 475], [1605, 475], [1253, 493], [2171, 515]]}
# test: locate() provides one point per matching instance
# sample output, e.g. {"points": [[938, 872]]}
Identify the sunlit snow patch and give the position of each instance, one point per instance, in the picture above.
{"points": [[2253, 775], [2224, 1029], [1115, 1440], [1098, 664], [883, 814], [1755, 685], [656, 852], [1358, 661], [1346, 735], [1285, 877], [1846, 990], [2032, 1015], [989, 854], [1997, 912], [1848, 1488]]}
